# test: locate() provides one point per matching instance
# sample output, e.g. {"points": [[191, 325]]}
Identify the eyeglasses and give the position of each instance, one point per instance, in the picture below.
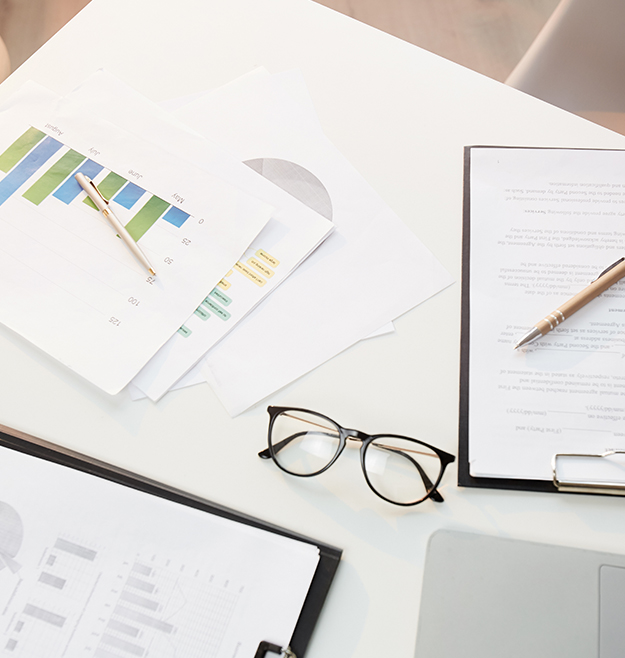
{"points": [[401, 470]]}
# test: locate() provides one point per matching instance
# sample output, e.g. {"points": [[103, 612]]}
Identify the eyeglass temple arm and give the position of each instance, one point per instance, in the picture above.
{"points": [[434, 494]]}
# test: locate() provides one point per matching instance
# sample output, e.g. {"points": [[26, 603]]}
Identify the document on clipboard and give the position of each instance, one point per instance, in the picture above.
{"points": [[539, 225], [97, 561]]}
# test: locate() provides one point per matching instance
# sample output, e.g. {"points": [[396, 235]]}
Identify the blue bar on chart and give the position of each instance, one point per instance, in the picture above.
{"points": [[176, 216], [129, 195], [27, 167], [70, 188]]}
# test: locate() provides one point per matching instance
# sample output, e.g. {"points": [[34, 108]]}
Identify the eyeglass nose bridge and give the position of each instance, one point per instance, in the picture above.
{"points": [[354, 435]]}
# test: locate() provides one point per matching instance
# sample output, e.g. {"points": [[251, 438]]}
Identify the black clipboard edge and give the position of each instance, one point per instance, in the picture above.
{"points": [[329, 556], [465, 479]]}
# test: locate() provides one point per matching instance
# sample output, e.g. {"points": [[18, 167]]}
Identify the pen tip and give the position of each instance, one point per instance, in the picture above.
{"points": [[152, 272]]}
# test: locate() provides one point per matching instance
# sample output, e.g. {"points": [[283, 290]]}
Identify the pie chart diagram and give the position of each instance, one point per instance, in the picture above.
{"points": [[11, 535], [297, 181]]}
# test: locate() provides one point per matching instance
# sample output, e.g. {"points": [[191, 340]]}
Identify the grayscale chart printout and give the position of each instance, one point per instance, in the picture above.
{"points": [[90, 568]]}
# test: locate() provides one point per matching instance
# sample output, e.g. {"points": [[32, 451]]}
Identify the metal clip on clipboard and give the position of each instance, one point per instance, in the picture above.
{"points": [[609, 485], [267, 647]]}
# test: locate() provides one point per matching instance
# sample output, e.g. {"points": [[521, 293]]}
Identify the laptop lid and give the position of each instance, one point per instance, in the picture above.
{"points": [[487, 597]]}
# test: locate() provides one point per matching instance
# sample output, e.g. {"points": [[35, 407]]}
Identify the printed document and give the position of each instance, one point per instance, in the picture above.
{"points": [[292, 233], [89, 567], [68, 285], [543, 224], [368, 272]]}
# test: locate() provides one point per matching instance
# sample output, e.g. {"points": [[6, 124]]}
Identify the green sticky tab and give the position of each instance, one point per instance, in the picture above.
{"points": [[20, 147], [146, 217], [185, 331], [201, 313], [220, 297], [57, 173], [216, 309]]}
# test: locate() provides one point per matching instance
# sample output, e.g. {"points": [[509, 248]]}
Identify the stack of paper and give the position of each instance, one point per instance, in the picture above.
{"points": [[230, 194]]}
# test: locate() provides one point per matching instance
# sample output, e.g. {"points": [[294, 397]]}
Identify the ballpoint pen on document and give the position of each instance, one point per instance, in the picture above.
{"points": [[103, 206], [607, 278]]}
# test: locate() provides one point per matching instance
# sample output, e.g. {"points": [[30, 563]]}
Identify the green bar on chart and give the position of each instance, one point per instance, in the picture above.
{"points": [[57, 173], [20, 147], [146, 217], [108, 188]]}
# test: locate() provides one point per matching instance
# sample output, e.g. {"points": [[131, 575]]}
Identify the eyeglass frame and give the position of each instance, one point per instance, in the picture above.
{"points": [[366, 440]]}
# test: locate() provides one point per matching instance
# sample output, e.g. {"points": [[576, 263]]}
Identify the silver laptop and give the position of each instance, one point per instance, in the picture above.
{"points": [[488, 597]]}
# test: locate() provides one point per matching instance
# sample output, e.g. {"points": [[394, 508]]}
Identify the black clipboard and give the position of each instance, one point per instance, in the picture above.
{"points": [[329, 556], [465, 479]]}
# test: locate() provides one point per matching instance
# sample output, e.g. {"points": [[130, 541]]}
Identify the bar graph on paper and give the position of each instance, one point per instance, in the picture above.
{"points": [[51, 166], [68, 284], [150, 606]]}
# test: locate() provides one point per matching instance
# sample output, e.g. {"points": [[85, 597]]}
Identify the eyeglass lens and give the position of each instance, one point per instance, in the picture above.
{"points": [[303, 443], [398, 469]]}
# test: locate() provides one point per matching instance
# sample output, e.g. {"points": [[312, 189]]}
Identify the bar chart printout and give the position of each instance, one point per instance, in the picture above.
{"points": [[145, 608], [99, 570], [91, 299], [59, 179]]}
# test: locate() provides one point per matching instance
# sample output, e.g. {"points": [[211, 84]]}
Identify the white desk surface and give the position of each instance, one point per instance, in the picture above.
{"points": [[402, 117]]}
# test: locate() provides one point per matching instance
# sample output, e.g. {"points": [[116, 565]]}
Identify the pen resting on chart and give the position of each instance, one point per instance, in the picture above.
{"points": [[103, 206]]}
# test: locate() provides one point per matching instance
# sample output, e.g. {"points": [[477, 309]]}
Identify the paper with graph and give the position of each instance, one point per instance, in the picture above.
{"points": [[92, 568], [68, 284], [371, 270], [292, 233]]}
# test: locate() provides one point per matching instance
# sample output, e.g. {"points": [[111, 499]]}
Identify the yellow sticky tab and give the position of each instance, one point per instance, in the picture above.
{"points": [[224, 285], [250, 274], [263, 269], [267, 258]]}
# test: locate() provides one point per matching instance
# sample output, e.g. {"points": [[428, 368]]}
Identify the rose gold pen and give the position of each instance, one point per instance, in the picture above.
{"points": [[607, 278], [103, 206]]}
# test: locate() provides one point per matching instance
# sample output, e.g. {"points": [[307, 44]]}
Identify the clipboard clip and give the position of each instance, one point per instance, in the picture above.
{"points": [[608, 486], [267, 647]]}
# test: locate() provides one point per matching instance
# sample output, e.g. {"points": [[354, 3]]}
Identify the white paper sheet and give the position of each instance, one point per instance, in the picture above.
{"points": [[198, 375], [367, 273], [293, 231], [68, 284], [89, 567], [544, 223]]}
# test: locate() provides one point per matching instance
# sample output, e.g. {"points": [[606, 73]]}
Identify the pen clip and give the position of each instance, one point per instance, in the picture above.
{"points": [[92, 184], [607, 269]]}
